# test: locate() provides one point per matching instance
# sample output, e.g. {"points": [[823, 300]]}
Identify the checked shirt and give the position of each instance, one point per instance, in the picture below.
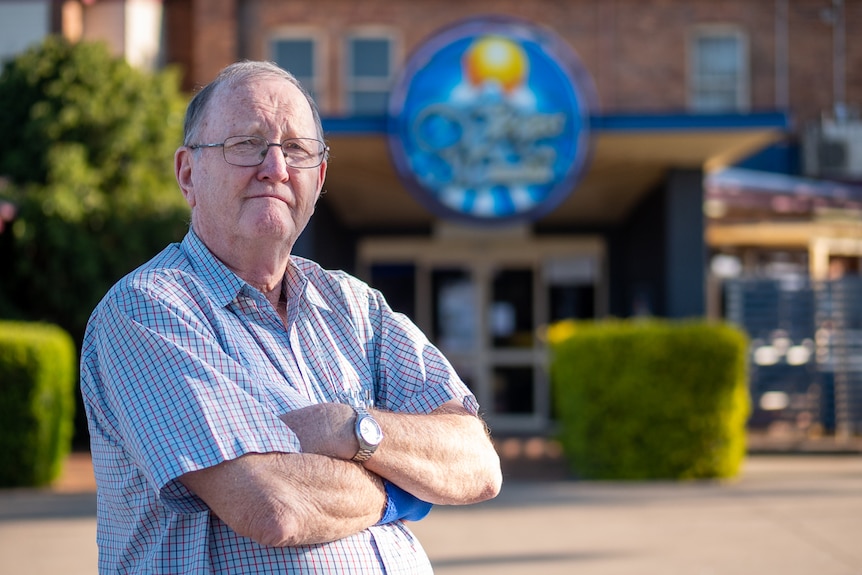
{"points": [[184, 366]]}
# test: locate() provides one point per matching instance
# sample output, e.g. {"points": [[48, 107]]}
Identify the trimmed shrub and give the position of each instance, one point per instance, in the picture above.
{"points": [[38, 372], [651, 399]]}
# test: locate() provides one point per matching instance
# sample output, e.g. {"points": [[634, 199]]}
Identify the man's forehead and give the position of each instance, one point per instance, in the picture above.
{"points": [[259, 98], [266, 92]]}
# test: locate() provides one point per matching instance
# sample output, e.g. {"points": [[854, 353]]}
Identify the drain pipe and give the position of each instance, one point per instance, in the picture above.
{"points": [[838, 60], [782, 91]]}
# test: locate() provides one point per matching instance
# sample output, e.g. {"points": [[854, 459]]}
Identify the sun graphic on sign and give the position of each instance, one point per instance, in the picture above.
{"points": [[496, 59]]}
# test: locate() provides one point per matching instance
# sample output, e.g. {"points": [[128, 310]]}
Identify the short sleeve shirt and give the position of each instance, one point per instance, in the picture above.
{"points": [[184, 366]]}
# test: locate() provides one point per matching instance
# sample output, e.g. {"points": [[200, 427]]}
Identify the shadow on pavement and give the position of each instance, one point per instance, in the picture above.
{"points": [[18, 505]]}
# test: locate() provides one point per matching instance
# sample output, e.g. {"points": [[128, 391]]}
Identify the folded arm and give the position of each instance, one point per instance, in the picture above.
{"points": [[288, 499], [282, 499], [444, 457]]}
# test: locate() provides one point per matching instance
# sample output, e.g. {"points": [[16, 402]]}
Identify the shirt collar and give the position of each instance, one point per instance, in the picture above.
{"points": [[300, 285], [224, 283]]}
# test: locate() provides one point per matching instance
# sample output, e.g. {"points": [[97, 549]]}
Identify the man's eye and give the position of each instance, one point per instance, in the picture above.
{"points": [[246, 145]]}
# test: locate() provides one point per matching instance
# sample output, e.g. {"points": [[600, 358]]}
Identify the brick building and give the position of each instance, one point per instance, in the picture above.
{"points": [[722, 139], [638, 51]]}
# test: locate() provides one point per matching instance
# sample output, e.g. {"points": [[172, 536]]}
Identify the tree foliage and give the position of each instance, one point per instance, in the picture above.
{"points": [[86, 159]]}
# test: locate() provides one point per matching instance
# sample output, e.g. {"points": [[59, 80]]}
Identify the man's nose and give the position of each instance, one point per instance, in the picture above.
{"points": [[274, 164]]}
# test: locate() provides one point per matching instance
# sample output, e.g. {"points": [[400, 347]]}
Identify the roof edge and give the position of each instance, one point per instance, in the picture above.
{"points": [[647, 122]]}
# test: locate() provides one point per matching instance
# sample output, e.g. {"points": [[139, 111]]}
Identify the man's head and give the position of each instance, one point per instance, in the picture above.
{"points": [[241, 210], [239, 72]]}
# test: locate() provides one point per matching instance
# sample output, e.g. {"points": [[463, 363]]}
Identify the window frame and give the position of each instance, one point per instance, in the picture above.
{"points": [[353, 84], [316, 84], [742, 88]]}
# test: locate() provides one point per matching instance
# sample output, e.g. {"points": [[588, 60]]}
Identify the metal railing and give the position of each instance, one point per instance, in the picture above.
{"points": [[806, 351]]}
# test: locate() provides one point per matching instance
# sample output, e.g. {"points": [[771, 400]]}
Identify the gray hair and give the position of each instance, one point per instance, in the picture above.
{"points": [[232, 75]]}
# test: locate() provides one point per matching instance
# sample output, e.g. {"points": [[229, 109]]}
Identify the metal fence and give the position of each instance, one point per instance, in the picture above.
{"points": [[806, 351]]}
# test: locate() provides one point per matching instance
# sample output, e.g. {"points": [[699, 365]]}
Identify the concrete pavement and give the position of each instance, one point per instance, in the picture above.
{"points": [[786, 514]]}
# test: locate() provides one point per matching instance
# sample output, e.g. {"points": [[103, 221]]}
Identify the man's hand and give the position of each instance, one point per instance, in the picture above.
{"points": [[325, 429]]}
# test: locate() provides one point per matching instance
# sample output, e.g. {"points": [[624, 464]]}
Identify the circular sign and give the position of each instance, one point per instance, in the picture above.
{"points": [[489, 122]]}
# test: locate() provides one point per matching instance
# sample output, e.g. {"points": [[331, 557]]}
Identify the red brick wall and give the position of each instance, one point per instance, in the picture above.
{"points": [[214, 30], [635, 50], [179, 38]]}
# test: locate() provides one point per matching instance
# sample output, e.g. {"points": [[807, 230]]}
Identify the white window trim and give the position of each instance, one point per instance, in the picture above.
{"points": [[318, 85], [351, 83], [743, 84]]}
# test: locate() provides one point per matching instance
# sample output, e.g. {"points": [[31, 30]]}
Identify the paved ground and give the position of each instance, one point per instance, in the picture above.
{"points": [[786, 514]]}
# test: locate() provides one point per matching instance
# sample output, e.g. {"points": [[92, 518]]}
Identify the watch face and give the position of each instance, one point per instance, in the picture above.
{"points": [[370, 431]]}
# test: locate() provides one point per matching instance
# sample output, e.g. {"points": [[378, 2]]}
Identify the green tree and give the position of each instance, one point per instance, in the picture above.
{"points": [[86, 148]]}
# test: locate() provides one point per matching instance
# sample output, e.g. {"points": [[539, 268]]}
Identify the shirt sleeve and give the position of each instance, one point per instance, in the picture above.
{"points": [[413, 375], [177, 401]]}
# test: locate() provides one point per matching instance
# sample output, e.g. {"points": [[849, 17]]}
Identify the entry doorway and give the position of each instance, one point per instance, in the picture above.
{"points": [[485, 298]]}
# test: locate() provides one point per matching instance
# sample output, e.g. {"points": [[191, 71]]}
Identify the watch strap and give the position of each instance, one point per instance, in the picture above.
{"points": [[364, 454], [365, 451]]}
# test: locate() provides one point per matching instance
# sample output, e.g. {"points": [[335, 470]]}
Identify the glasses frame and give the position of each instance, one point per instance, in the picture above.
{"points": [[223, 145]]}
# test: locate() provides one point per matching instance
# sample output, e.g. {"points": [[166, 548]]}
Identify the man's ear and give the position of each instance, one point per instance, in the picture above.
{"points": [[321, 174], [183, 173]]}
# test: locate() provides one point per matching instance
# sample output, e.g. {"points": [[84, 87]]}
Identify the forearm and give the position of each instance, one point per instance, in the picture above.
{"points": [[444, 458], [282, 499]]}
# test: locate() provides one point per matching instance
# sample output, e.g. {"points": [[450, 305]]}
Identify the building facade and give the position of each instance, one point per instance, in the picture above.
{"points": [[722, 140]]}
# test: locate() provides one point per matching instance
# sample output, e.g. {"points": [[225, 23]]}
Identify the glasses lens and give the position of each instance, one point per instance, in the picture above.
{"points": [[251, 150], [244, 150], [302, 152]]}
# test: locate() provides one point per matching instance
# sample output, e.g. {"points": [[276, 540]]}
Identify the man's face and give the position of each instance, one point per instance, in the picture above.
{"points": [[235, 207]]}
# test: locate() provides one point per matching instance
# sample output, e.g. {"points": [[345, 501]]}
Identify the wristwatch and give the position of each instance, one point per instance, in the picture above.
{"points": [[368, 434]]}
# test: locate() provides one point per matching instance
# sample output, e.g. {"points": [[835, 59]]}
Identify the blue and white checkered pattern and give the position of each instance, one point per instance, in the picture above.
{"points": [[185, 366]]}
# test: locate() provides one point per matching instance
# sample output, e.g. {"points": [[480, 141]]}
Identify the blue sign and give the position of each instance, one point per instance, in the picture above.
{"points": [[489, 122]]}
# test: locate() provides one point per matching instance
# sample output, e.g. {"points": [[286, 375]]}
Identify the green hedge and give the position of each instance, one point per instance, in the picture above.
{"points": [[651, 399], [38, 365]]}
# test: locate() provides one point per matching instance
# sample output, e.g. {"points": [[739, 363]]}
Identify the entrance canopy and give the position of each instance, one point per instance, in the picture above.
{"points": [[630, 156]]}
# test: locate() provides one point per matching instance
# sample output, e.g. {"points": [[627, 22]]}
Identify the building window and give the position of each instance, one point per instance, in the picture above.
{"points": [[369, 74], [22, 25], [718, 80], [299, 56]]}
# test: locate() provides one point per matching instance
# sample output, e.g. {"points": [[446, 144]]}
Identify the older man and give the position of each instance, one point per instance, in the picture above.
{"points": [[249, 411]]}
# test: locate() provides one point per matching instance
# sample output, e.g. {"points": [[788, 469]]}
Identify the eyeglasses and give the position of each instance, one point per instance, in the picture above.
{"points": [[248, 151]]}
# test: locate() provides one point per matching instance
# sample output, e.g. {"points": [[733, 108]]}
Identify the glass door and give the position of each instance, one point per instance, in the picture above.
{"points": [[516, 359], [486, 307]]}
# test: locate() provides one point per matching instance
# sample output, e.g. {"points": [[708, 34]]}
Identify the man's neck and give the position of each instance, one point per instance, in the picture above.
{"points": [[261, 264]]}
